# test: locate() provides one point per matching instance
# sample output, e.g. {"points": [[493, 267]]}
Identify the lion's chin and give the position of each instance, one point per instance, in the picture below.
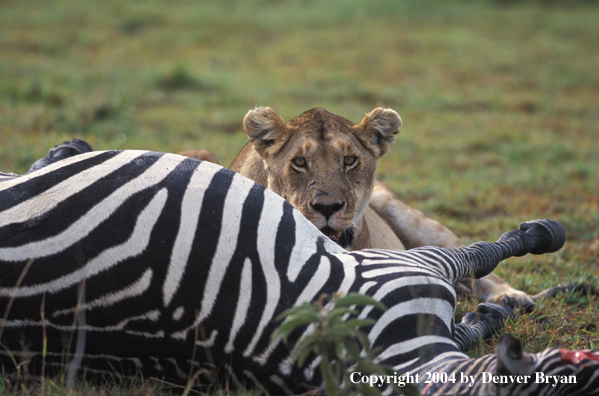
{"points": [[342, 238], [332, 234]]}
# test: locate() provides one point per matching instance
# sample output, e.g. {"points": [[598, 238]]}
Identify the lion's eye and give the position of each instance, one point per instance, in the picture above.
{"points": [[349, 161], [299, 162]]}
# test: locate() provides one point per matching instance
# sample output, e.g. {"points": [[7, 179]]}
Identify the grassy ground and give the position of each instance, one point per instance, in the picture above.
{"points": [[499, 102]]}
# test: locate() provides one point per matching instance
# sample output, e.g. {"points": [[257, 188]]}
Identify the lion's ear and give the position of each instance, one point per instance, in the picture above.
{"points": [[377, 129], [266, 129]]}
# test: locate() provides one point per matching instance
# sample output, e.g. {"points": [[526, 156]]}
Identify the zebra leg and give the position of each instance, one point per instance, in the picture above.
{"points": [[479, 259], [554, 371], [61, 151], [481, 324], [581, 367]]}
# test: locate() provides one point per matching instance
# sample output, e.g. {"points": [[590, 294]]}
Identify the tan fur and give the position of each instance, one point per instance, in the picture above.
{"points": [[202, 154], [324, 141], [414, 229], [378, 217], [410, 225], [381, 232]]}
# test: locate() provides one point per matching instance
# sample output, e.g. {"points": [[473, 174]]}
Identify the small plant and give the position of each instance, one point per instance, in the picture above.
{"points": [[338, 340], [178, 78]]}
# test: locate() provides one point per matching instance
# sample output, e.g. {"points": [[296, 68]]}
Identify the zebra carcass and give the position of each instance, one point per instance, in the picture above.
{"points": [[141, 262]]}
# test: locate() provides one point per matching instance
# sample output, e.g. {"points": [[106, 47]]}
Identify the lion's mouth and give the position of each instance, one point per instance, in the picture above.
{"points": [[342, 238]]}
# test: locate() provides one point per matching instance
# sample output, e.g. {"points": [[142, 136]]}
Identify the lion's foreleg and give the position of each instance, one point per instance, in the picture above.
{"points": [[411, 226]]}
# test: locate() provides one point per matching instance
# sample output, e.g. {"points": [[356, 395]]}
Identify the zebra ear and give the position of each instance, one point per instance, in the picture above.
{"points": [[511, 359], [267, 130], [377, 130]]}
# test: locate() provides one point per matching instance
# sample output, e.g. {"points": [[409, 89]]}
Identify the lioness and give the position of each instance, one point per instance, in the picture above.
{"points": [[324, 165]]}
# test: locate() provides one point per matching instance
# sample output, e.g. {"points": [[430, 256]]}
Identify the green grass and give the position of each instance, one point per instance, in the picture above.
{"points": [[498, 99], [55, 386]]}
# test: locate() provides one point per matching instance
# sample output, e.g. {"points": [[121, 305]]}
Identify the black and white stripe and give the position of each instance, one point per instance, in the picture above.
{"points": [[172, 258]]}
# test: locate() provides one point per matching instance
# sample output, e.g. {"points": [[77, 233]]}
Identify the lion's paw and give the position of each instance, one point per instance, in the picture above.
{"points": [[515, 299]]}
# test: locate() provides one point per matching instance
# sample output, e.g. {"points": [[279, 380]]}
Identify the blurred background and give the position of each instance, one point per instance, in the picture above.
{"points": [[500, 99]]}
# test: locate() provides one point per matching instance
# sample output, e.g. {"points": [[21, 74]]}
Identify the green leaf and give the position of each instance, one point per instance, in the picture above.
{"points": [[340, 311], [353, 350], [410, 390], [301, 357], [367, 390], [339, 344], [330, 378], [306, 344], [337, 332], [362, 339], [290, 325], [299, 309], [356, 323]]}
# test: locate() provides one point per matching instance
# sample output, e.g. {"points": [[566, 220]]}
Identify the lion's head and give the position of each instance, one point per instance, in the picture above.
{"points": [[321, 163]]}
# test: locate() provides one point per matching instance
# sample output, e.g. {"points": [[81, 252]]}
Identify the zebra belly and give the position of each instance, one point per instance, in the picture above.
{"points": [[164, 265], [160, 263]]}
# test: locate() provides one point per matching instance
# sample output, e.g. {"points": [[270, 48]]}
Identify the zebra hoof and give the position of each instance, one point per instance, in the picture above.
{"points": [[511, 359], [69, 149], [61, 151], [548, 235], [495, 314]]}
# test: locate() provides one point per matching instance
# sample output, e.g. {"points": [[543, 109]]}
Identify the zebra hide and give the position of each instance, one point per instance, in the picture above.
{"points": [[135, 262]]}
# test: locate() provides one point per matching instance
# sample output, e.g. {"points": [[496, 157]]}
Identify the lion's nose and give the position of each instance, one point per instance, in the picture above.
{"points": [[327, 210]]}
